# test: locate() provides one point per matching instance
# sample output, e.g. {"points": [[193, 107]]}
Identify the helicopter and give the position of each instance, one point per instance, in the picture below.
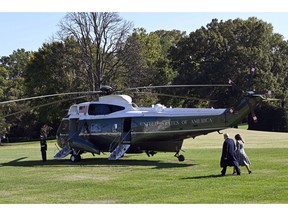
{"points": [[116, 125]]}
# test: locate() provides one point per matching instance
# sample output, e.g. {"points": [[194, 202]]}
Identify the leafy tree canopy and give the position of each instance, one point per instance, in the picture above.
{"points": [[228, 50]]}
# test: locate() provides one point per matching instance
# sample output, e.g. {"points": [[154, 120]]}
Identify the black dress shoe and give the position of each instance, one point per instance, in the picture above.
{"points": [[250, 172]]}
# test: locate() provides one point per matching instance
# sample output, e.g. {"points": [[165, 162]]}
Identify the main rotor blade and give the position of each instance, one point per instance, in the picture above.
{"points": [[177, 86], [175, 96], [43, 105], [51, 95], [272, 99]]}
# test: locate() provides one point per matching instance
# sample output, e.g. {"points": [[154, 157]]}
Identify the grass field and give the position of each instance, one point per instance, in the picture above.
{"points": [[138, 179]]}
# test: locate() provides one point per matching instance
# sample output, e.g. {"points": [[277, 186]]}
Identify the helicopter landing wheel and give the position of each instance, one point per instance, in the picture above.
{"points": [[75, 158], [180, 157]]}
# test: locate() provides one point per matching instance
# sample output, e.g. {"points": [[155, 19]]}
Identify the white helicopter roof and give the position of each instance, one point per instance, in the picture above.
{"points": [[129, 108], [116, 99]]}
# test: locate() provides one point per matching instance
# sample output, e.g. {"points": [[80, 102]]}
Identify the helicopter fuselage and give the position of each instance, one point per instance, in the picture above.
{"points": [[114, 120]]}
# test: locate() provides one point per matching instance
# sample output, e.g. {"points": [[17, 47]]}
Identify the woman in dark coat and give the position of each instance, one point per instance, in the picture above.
{"points": [[228, 157]]}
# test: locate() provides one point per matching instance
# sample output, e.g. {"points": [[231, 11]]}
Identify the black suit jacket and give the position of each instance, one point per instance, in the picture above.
{"points": [[228, 157]]}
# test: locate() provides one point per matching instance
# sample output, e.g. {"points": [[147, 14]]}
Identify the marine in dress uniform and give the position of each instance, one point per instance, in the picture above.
{"points": [[43, 145]]}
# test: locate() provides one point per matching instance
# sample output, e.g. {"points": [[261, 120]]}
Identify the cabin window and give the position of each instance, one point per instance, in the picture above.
{"points": [[103, 109]]}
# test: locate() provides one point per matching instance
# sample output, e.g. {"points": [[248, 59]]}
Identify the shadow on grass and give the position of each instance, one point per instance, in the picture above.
{"points": [[22, 162], [204, 177]]}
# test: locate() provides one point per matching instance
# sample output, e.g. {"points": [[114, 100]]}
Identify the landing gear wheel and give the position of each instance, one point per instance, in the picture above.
{"points": [[181, 158], [75, 158]]}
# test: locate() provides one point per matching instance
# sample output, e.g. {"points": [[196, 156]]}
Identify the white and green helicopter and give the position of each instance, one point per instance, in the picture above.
{"points": [[116, 125]]}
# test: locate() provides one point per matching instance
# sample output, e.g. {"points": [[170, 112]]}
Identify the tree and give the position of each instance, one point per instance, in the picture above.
{"points": [[101, 37], [142, 50], [12, 70], [226, 50], [51, 70], [164, 72], [147, 62], [279, 67], [3, 125]]}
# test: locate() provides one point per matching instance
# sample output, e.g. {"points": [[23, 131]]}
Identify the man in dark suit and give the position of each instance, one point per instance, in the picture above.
{"points": [[228, 157]]}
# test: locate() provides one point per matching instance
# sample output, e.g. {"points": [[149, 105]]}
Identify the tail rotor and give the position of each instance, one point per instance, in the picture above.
{"points": [[248, 93]]}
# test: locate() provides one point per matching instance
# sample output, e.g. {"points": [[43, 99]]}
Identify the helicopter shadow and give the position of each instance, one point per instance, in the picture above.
{"points": [[22, 162], [154, 164], [203, 177]]}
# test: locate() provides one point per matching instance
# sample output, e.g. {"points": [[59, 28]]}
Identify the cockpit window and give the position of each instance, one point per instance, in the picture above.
{"points": [[64, 126], [103, 109]]}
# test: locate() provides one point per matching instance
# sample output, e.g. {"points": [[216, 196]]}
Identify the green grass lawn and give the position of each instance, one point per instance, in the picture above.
{"points": [[138, 179]]}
